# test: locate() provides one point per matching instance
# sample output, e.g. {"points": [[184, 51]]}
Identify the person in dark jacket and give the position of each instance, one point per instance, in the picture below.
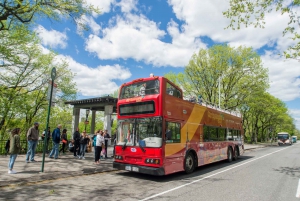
{"points": [[64, 141], [48, 134], [56, 141], [106, 138], [84, 140], [32, 138], [76, 138], [14, 149]]}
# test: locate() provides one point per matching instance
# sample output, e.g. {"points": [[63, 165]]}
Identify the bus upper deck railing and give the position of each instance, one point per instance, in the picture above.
{"points": [[213, 106]]}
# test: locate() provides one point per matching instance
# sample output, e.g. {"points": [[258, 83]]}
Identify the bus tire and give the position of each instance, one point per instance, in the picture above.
{"points": [[189, 163], [229, 154], [235, 154]]}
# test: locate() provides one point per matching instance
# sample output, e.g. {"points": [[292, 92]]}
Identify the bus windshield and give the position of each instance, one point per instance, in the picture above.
{"points": [[145, 132], [140, 89], [283, 136]]}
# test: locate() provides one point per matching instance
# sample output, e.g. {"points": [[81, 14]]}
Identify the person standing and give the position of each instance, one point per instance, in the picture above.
{"points": [[48, 133], [32, 138], [14, 149], [64, 140], [76, 138], [98, 147], [84, 139], [56, 141], [106, 138], [115, 142]]}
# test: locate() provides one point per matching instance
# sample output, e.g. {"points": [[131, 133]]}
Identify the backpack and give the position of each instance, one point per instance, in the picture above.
{"points": [[7, 145], [94, 141]]}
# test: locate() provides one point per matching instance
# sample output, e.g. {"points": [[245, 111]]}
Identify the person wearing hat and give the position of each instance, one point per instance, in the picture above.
{"points": [[32, 138]]}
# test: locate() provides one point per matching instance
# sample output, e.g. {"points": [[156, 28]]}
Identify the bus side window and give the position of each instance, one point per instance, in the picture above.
{"points": [[173, 134], [206, 133], [222, 134], [213, 134]]}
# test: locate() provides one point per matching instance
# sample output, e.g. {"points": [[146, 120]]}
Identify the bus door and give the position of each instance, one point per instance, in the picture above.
{"points": [[174, 147]]}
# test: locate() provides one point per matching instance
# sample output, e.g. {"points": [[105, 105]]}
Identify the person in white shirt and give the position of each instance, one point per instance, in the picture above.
{"points": [[98, 148], [143, 89]]}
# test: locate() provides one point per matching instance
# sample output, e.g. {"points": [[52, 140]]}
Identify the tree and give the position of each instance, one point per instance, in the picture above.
{"points": [[16, 12], [253, 12], [239, 71], [24, 76]]}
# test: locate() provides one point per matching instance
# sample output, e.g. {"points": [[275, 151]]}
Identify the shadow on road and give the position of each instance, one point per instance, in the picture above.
{"points": [[202, 170]]}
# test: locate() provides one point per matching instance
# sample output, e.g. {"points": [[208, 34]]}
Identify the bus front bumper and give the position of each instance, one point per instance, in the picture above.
{"points": [[141, 169]]}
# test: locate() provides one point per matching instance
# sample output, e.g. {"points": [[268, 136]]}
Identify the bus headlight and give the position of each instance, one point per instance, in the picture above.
{"points": [[118, 157]]}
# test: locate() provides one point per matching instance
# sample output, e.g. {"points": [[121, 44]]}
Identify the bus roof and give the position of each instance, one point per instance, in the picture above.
{"points": [[282, 133]]}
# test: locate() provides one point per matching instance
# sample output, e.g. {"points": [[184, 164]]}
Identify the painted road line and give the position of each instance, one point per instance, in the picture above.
{"points": [[298, 190], [195, 181]]}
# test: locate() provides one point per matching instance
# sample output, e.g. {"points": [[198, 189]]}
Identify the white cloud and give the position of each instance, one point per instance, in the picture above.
{"points": [[127, 5], [296, 115], [103, 5], [90, 22], [52, 38], [96, 81], [139, 38], [284, 76]]}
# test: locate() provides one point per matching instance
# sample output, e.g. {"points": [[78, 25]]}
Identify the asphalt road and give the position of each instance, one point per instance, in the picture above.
{"points": [[270, 173]]}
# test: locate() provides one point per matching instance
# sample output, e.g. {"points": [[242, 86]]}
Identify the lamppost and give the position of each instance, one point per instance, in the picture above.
{"points": [[87, 112]]}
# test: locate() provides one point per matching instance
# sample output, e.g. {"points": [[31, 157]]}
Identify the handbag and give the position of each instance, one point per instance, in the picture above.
{"points": [[64, 141]]}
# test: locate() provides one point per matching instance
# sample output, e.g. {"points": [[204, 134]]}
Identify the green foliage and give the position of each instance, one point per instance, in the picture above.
{"points": [[243, 85], [16, 12], [239, 70], [252, 13], [24, 77]]}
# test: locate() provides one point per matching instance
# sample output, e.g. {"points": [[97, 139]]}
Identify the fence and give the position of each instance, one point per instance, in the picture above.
{"points": [[24, 144]]}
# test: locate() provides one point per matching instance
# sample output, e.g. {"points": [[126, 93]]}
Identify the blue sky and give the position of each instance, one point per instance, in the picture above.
{"points": [[131, 39]]}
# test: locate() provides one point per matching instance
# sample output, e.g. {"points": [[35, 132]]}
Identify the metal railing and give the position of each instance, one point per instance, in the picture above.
{"points": [[24, 144]]}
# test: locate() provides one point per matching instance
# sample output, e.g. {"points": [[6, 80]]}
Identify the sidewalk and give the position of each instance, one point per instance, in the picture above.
{"points": [[65, 166]]}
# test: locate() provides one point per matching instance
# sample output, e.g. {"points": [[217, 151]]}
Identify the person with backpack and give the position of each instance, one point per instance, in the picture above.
{"points": [[14, 149], [76, 139], [56, 141], [64, 140], [7, 145], [32, 138]]}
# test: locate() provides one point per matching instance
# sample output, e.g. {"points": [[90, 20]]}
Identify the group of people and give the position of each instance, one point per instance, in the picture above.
{"points": [[78, 144]]}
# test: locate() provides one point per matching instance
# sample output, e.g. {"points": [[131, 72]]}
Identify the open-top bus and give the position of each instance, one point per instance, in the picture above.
{"points": [[160, 133]]}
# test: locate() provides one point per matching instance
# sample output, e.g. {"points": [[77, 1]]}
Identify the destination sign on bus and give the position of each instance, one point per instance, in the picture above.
{"points": [[137, 108]]}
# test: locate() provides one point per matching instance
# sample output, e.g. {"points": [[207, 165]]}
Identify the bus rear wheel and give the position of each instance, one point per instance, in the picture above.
{"points": [[229, 154], [189, 163], [236, 154]]}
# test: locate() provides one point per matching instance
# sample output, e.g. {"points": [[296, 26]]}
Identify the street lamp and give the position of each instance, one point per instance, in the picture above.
{"points": [[87, 112]]}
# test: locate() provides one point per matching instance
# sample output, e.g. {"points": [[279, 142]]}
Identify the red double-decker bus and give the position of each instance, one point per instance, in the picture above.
{"points": [[160, 133]]}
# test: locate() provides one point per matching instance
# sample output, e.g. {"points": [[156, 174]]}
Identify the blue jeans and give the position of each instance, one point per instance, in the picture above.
{"points": [[54, 150], [82, 149], [31, 149], [12, 161]]}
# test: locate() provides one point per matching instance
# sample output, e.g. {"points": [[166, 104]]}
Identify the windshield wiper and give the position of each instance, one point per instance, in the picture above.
{"points": [[142, 148]]}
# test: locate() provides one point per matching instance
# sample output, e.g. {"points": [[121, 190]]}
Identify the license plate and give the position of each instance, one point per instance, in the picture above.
{"points": [[128, 168], [135, 169]]}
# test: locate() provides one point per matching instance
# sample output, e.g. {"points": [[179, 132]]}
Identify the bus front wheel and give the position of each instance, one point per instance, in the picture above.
{"points": [[189, 164], [229, 155]]}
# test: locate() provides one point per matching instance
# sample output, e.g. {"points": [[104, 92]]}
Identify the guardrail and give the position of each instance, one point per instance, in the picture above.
{"points": [[24, 144]]}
